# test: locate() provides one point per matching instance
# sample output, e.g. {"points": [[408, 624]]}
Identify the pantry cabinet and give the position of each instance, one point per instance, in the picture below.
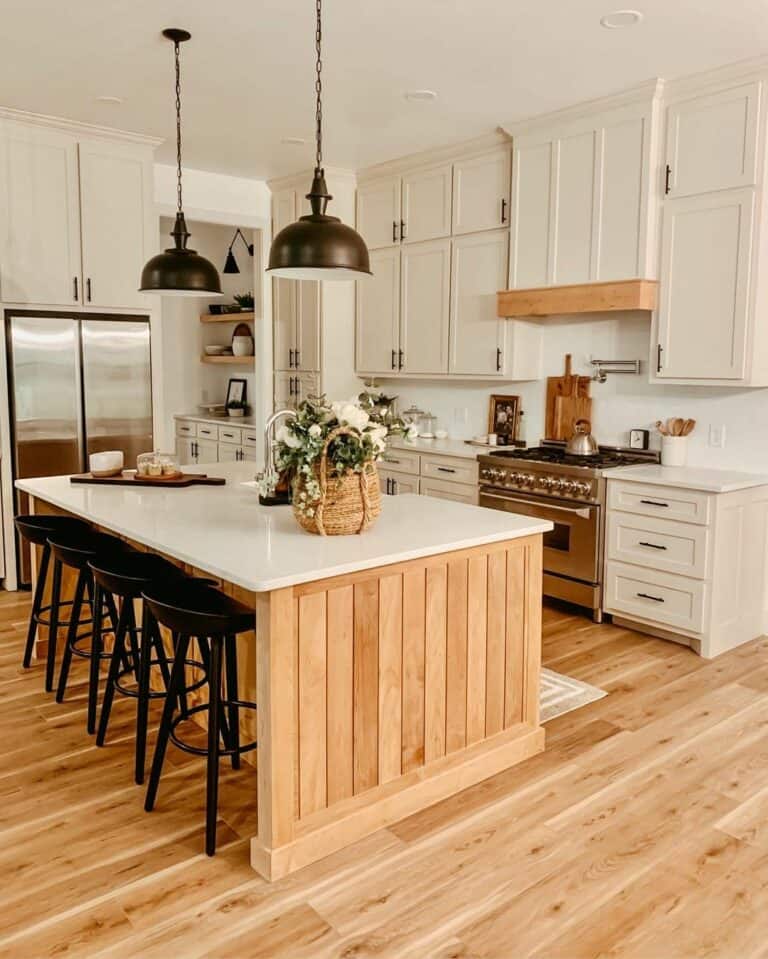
{"points": [[425, 274], [292, 388], [296, 315], [378, 314], [76, 218]]}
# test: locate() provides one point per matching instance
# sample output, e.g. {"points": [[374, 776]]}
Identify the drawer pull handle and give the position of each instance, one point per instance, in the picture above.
{"points": [[653, 502], [390, 459], [656, 599], [445, 469], [651, 545]]}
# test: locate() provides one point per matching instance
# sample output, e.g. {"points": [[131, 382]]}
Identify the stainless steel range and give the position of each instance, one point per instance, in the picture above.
{"points": [[549, 483]]}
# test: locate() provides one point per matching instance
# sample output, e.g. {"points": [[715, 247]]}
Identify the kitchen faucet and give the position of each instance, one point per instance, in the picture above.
{"points": [[269, 476]]}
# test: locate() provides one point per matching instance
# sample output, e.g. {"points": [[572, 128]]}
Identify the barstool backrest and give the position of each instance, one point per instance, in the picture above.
{"points": [[195, 609]]}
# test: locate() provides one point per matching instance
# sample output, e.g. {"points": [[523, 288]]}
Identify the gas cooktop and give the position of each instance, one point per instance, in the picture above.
{"points": [[604, 459]]}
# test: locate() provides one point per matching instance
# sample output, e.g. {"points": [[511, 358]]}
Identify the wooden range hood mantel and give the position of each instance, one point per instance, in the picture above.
{"points": [[579, 298]]}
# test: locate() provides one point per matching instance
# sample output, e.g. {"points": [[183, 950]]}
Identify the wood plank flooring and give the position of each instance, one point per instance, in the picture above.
{"points": [[641, 832]]}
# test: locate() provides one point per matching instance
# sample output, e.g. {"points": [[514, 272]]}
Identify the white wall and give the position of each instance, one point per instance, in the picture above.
{"points": [[623, 402], [213, 191]]}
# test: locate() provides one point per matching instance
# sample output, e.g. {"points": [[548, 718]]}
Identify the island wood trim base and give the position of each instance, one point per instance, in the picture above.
{"points": [[579, 298]]}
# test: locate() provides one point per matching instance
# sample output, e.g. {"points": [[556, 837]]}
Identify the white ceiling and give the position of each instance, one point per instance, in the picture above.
{"points": [[249, 70]]}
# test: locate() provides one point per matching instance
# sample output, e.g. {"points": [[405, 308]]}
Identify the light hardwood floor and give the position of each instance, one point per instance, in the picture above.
{"points": [[642, 831]]}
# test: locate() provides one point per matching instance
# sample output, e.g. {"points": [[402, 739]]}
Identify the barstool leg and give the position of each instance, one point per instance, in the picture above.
{"points": [[212, 786], [37, 602], [114, 672], [142, 702], [177, 681], [53, 628], [74, 622], [97, 647], [232, 710], [205, 658]]}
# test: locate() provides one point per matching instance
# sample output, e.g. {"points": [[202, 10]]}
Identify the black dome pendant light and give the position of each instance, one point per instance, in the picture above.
{"points": [[179, 271], [317, 246]]}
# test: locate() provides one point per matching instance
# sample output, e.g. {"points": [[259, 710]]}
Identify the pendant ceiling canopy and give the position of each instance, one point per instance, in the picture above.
{"points": [[318, 246], [179, 271]]}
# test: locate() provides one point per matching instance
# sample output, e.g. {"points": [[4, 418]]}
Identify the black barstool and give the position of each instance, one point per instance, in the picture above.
{"points": [[36, 529], [75, 550], [214, 619], [125, 576]]}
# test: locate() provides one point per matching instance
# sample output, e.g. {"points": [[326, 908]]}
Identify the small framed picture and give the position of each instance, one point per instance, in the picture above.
{"points": [[236, 391], [502, 417]]}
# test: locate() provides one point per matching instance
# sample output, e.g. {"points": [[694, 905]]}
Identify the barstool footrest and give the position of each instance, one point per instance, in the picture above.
{"points": [[203, 750], [161, 693]]}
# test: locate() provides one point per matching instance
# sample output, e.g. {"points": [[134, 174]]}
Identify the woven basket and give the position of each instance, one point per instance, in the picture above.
{"points": [[348, 503]]}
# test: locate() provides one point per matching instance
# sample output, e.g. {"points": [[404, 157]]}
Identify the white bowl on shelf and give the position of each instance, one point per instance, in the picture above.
{"points": [[215, 350]]}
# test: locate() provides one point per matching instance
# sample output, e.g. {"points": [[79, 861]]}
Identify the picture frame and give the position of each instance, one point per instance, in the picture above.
{"points": [[236, 391], [502, 417]]}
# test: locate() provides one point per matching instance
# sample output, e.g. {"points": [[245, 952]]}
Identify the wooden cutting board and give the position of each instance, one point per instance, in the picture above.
{"points": [[129, 478], [568, 400]]}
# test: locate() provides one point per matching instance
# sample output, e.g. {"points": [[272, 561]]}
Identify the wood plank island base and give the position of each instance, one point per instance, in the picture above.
{"points": [[391, 670]]}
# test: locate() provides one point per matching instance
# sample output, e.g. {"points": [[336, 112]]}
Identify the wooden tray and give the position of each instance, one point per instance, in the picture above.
{"points": [[129, 478]]}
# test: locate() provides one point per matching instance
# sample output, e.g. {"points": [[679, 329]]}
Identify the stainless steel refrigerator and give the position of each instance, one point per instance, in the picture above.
{"points": [[78, 384]]}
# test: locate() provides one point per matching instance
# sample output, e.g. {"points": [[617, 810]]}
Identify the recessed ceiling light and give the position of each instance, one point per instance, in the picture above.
{"points": [[112, 101], [621, 18], [293, 141], [422, 95]]}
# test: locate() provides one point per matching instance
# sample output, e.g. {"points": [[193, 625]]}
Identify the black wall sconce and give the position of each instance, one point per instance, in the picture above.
{"points": [[230, 264]]}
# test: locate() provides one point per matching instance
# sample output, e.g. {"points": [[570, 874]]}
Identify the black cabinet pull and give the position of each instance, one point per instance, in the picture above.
{"points": [[88, 289], [503, 210], [290, 386], [656, 599], [290, 359], [403, 234], [667, 175], [498, 359], [653, 502], [394, 231], [659, 351], [651, 545], [445, 469], [296, 359], [394, 359], [400, 359], [75, 288]]}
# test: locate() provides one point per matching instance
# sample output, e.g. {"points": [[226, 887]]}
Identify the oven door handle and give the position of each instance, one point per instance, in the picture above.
{"points": [[581, 513]]}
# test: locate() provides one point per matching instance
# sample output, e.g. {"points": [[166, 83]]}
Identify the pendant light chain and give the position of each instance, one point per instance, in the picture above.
{"points": [[178, 123], [319, 87]]}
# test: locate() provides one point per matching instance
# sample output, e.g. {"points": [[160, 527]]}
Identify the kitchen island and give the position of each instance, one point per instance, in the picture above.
{"points": [[391, 669]]}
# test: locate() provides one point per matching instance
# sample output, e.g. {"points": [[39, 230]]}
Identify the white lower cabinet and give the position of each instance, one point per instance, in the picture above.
{"points": [[687, 564], [430, 474], [445, 489], [292, 388], [199, 441], [393, 483]]}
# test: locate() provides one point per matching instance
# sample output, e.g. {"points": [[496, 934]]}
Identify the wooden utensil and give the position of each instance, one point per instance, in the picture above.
{"points": [[568, 400], [675, 426], [661, 428], [130, 478], [688, 427]]}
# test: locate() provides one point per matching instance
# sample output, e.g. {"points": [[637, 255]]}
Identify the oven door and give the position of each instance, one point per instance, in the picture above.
{"points": [[571, 548]]}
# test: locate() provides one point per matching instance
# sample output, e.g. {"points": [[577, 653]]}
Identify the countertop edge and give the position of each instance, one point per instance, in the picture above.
{"points": [[677, 480]]}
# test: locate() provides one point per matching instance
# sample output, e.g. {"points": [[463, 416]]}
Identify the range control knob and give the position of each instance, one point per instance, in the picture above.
{"points": [[583, 489], [511, 478], [549, 482]]}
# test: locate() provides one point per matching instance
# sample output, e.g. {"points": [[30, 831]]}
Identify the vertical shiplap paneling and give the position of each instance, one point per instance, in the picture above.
{"points": [[477, 618], [533, 586], [515, 636], [495, 650], [312, 703], [390, 676], [456, 660], [414, 600], [366, 685], [434, 666], [340, 685]]}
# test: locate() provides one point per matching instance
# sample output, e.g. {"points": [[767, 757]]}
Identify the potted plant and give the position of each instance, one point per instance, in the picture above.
{"points": [[244, 301], [236, 408], [331, 450]]}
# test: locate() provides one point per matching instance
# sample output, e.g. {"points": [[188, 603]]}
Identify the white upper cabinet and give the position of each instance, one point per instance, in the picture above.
{"points": [[621, 246], [426, 207], [712, 141], [574, 208], [378, 212], [284, 206], [115, 195], [39, 217], [378, 315], [425, 292], [531, 230], [284, 294], [307, 342], [481, 192]]}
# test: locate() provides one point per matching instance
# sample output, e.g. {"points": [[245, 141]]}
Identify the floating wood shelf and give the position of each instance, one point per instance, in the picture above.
{"points": [[228, 360], [227, 318], [579, 298]]}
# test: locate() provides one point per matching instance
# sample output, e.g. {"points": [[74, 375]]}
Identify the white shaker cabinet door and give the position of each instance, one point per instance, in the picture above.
{"points": [[621, 243], [425, 292], [712, 141], [481, 192], [479, 266], [285, 386], [115, 194], [39, 217], [284, 293], [378, 212], [427, 204], [307, 343], [575, 208], [185, 450], [531, 216], [705, 271], [378, 314]]}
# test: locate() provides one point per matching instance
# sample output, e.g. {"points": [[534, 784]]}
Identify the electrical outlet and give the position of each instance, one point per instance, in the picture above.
{"points": [[716, 436]]}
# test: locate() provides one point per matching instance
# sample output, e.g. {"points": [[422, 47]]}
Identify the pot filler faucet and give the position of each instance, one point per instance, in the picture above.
{"points": [[269, 474]]}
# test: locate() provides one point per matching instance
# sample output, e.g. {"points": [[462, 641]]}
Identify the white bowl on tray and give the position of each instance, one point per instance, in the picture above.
{"points": [[106, 463]]}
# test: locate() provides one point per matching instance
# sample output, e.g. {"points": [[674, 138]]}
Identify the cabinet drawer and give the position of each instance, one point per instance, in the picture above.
{"points": [[655, 597], [186, 428], [400, 461], [442, 489], [250, 438], [658, 544], [453, 469], [667, 502], [228, 434], [208, 431]]}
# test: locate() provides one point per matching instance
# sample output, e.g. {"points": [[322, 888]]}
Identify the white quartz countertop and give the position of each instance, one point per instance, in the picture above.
{"points": [[218, 420], [445, 447], [689, 477], [224, 531]]}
